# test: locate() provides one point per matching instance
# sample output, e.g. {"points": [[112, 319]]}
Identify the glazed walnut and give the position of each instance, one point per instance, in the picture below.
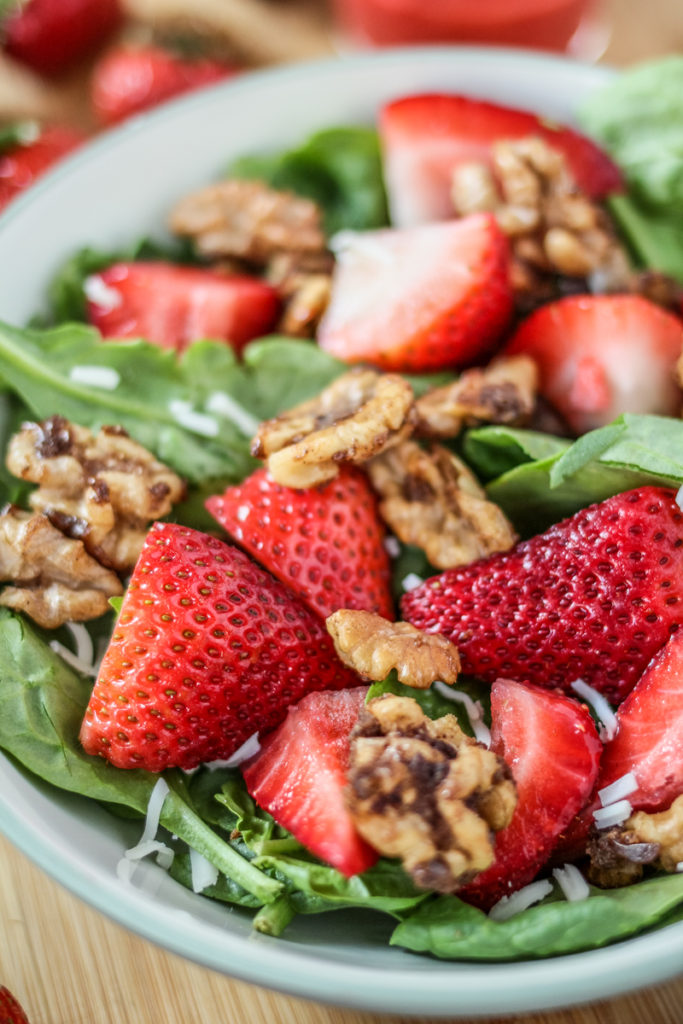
{"points": [[617, 856], [665, 829], [431, 499], [102, 490], [420, 790], [554, 228], [54, 579], [357, 416], [373, 647], [502, 392]]}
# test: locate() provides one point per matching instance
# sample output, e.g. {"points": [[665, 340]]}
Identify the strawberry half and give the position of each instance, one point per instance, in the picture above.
{"points": [[601, 355], [207, 650], [21, 165], [10, 1010], [648, 738], [173, 306], [421, 299], [553, 750], [594, 597], [326, 542], [130, 79], [52, 35], [299, 776], [425, 137]]}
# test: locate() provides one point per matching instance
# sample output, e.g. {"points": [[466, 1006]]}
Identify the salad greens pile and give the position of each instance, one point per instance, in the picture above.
{"points": [[535, 477]]}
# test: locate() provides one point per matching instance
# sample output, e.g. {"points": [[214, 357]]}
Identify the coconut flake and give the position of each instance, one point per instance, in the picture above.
{"points": [[613, 814], [101, 294], [248, 749], [83, 641], [392, 547], [204, 873], [184, 414], [619, 789], [86, 668], [679, 867], [222, 404], [411, 581], [473, 710], [600, 706], [103, 377], [508, 906], [147, 843], [679, 497], [572, 883]]}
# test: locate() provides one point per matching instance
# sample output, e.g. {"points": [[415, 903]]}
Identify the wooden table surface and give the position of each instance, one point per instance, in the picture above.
{"points": [[69, 965]]}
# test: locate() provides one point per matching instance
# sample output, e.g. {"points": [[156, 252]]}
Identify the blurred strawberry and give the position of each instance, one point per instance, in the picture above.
{"points": [[130, 79], [22, 163], [52, 35], [10, 1010]]}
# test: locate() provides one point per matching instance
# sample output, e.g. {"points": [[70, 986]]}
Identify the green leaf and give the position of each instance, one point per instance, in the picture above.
{"points": [[225, 889], [450, 929], [584, 451], [492, 451], [17, 133], [12, 414], [654, 238], [339, 168]]}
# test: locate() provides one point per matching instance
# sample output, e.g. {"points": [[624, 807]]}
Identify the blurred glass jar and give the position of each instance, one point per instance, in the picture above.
{"points": [[541, 24]]}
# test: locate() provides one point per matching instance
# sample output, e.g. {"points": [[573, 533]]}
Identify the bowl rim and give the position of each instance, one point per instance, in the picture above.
{"points": [[481, 989]]}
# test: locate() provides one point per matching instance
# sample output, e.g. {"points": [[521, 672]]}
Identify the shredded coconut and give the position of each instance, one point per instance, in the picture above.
{"points": [[222, 404], [392, 547], [86, 668], [679, 867], [411, 581], [572, 883], [183, 413], [619, 789], [103, 377], [147, 843], [248, 749], [473, 709], [679, 497], [204, 873], [101, 294], [508, 906], [613, 814], [600, 706], [84, 645]]}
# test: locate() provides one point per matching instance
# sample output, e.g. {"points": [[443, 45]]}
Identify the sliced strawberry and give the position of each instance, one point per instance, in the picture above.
{"points": [[173, 305], [602, 355], [52, 35], [425, 298], [425, 137], [299, 776], [648, 739], [326, 542], [130, 79], [207, 650], [21, 165], [10, 1010], [594, 597], [553, 750]]}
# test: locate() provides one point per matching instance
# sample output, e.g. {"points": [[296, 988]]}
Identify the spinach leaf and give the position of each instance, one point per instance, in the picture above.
{"points": [[654, 237], [340, 168], [17, 133], [450, 929], [12, 414]]}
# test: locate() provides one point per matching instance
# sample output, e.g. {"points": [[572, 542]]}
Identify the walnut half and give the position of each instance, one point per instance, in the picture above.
{"points": [[421, 790]]}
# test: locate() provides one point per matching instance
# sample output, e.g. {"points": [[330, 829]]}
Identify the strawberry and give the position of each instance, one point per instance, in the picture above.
{"points": [[419, 299], [553, 750], [425, 137], [594, 597], [22, 164], [10, 1010], [173, 305], [207, 650], [299, 777], [51, 35], [325, 542], [601, 355], [130, 79], [648, 737]]}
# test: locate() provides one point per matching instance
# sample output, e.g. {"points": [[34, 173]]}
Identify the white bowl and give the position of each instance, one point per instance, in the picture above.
{"points": [[119, 188]]}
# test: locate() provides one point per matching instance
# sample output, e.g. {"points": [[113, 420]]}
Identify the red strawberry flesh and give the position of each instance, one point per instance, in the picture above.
{"points": [[10, 1010], [326, 542], [594, 597], [21, 165], [207, 650], [174, 305], [52, 35], [299, 776], [553, 750]]}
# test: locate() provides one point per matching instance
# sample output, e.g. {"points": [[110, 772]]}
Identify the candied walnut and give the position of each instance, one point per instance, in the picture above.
{"points": [[554, 228], [665, 830], [422, 790], [432, 500], [359, 415], [102, 490], [248, 220], [502, 392], [617, 858], [54, 578], [373, 646], [304, 284]]}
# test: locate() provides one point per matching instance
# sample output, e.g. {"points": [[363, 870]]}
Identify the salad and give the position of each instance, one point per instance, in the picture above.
{"points": [[445, 395]]}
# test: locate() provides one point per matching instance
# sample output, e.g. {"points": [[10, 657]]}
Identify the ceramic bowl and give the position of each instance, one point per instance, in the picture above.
{"points": [[116, 189]]}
